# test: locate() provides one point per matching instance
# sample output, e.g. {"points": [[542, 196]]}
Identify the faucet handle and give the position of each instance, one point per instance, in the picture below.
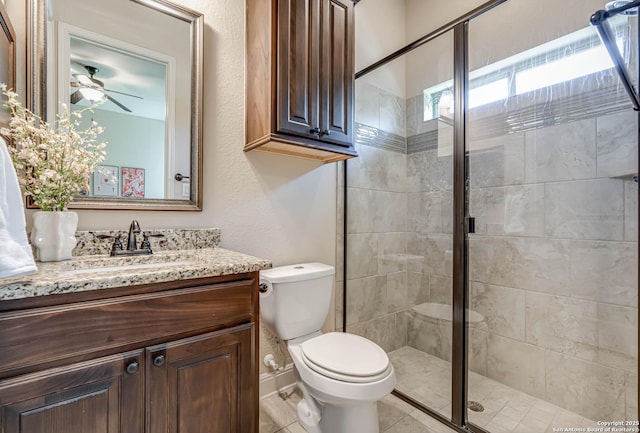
{"points": [[117, 243], [145, 244]]}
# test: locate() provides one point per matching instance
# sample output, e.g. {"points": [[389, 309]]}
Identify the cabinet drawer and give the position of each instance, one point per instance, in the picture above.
{"points": [[83, 330]]}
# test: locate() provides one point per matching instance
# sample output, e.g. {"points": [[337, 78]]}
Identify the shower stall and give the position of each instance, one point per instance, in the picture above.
{"points": [[491, 219]]}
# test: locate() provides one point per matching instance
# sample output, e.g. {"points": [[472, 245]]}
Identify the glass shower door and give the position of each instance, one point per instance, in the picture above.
{"points": [[399, 213], [430, 222], [552, 146]]}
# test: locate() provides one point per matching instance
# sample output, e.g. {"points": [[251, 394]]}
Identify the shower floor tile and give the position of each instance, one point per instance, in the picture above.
{"points": [[427, 379]]}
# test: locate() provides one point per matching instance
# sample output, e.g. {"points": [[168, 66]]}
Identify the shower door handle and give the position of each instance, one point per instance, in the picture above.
{"points": [[470, 225]]}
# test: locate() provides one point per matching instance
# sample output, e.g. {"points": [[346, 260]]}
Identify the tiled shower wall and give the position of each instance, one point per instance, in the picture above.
{"points": [[553, 262], [553, 265], [377, 221]]}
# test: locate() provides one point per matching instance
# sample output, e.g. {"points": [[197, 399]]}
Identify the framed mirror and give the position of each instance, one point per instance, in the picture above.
{"points": [[139, 63]]}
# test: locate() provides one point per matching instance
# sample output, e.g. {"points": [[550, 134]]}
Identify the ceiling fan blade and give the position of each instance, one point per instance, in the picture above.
{"points": [[126, 94], [83, 79], [117, 103], [88, 81], [76, 97], [97, 82]]}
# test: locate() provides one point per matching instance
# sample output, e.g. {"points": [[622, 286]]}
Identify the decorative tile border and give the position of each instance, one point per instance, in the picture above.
{"points": [[174, 239], [422, 142], [374, 137], [538, 110]]}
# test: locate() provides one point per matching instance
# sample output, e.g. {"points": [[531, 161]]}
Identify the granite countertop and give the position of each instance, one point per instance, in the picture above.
{"points": [[95, 272]]}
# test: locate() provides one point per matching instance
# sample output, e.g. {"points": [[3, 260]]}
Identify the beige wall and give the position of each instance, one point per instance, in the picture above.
{"points": [[424, 17], [562, 17], [270, 206], [380, 30]]}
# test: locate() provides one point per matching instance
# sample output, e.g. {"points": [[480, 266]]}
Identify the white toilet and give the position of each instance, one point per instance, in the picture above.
{"points": [[342, 376]]}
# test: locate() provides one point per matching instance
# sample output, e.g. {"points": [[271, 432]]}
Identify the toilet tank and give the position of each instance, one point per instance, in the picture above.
{"points": [[295, 299]]}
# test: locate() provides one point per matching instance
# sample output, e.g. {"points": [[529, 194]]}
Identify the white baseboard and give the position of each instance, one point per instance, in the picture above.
{"points": [[271, 383]]}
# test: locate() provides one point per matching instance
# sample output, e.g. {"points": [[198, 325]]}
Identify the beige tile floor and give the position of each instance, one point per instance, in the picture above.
{"points": [[279, 416], [427, 379]]}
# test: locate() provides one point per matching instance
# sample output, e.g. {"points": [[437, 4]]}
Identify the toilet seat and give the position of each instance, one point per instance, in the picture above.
{"points": [[346, 357], [335, 391]]}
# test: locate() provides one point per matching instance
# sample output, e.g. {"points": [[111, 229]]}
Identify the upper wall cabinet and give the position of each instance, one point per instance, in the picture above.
{"points": [[300, 77]]}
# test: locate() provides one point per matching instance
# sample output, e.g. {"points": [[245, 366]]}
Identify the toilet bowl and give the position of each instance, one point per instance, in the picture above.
{"points": [[342, 376]]}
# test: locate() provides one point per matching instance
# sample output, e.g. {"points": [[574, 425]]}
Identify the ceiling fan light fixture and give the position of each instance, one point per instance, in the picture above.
{"points": [[92, 95]]}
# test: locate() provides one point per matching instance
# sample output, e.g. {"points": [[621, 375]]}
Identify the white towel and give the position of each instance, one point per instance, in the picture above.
{"points": [[16, 257]]}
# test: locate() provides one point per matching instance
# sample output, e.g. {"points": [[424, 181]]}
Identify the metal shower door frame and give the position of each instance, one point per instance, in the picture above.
{"points": [[461, 218]]}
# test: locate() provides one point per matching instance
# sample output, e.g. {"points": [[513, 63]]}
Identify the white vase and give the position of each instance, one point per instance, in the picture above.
{"points": [[54, 235]]}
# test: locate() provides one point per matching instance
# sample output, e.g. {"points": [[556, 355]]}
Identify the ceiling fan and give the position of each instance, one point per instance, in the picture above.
{"points": [[93, 90]]}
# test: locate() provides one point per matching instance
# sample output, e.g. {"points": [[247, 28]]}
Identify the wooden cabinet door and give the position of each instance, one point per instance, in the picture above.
{"points": [[337, 75], [100, 396], [297, 67], [203, 384]]}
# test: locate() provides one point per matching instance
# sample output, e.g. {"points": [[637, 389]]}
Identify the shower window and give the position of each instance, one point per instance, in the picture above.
{"points": [[572, 56], [439, 103]]}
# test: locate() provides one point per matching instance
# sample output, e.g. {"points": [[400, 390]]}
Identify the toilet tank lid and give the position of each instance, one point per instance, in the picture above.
{"points": [[299, 272]]}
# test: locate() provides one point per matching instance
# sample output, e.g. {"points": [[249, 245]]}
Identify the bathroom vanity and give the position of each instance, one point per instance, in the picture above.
{"points": [[164, 343]]}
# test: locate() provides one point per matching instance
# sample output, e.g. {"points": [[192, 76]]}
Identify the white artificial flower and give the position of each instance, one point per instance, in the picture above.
{"points": [[53, 162]]}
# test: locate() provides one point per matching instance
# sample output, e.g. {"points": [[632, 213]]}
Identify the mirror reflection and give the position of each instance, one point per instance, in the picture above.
{"points": [[128, 93], [138, 63]]}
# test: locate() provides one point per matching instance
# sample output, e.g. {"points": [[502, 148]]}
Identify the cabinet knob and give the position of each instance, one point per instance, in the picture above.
{"points": [[132, 368], [315, 131], [158, 361], [326, 132]]}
